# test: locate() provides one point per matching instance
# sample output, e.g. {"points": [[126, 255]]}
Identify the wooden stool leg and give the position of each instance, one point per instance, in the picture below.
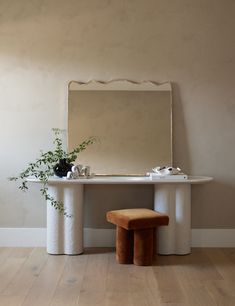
{"points": [[154, 243], [143, 247], [124, 245]]}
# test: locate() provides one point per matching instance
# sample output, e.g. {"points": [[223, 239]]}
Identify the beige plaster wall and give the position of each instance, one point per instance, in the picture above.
{"points": [[44, 44]]}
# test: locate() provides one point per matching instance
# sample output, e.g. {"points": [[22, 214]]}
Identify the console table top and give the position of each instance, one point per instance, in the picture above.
{"points": [[125, 180]]}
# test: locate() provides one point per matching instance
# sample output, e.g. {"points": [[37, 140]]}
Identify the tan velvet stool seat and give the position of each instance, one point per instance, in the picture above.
{"points": [[135, 234]]}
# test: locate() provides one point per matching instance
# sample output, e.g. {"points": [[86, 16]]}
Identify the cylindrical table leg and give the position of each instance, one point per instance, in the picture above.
{"points": [[124, 245], [175, 201], [65, 234], [183, 219], [73, 226], [55, 224], [143, 247], [164, 202]]}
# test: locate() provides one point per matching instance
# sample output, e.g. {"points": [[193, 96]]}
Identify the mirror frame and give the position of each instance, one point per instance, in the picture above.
{"points": [[123, 85]]}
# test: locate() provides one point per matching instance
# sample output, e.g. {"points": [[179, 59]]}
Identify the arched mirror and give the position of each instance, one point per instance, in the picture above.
{"points": [[133, 122]]}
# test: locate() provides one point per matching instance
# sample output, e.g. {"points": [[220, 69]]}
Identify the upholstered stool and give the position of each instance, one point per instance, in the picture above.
{"points": [[135, 234]]}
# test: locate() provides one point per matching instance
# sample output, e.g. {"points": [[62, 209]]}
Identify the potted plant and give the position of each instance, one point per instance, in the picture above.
{"points": [[49, 163]]}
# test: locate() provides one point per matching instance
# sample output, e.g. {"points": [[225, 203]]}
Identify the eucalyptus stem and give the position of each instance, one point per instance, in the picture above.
{"points": [[43, 168]]}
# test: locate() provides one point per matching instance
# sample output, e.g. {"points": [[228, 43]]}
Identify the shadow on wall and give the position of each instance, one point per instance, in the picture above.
{"points": [[211, 204], [101, 198], [181, 156]]}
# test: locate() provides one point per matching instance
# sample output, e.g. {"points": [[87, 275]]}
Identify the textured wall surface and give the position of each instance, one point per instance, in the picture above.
{"points": [[45, 44]]}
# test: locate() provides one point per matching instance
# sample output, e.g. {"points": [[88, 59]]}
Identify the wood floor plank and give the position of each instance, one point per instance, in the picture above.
{"points": [[69, 287], [30, 277], [230, 253], [118, 276], [173, 304], [117, 299], [223, 262], [130, 285], [11, 265], [222, 292], [196, 271], [5, 253], [29, 271], [94, 283], [118, 286], [13, 300], [145, 289], [44, 286], [170, 289], [196, 267]]}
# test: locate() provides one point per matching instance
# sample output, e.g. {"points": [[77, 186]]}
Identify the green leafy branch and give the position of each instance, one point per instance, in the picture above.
{"points": [[43, 168]]}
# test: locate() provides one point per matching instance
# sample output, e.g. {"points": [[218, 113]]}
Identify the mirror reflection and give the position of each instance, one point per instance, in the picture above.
{"points": [[132, 122]]}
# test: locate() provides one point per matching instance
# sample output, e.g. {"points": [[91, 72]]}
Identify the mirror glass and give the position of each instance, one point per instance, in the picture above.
{"points": [[132, 122]]}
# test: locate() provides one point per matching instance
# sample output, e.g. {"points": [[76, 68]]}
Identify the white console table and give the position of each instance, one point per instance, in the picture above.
{"points": [[171, 196]]}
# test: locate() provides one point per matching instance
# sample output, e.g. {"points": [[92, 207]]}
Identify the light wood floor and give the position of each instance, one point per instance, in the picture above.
{"points": [[30, 277]]}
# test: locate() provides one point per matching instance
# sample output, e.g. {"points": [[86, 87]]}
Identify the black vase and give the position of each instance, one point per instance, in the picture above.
{"points": [[62, 167]]}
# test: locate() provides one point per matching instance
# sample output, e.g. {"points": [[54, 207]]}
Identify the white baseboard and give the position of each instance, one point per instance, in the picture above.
{"points": [[22, 237], [213, 238], [36, 237]]}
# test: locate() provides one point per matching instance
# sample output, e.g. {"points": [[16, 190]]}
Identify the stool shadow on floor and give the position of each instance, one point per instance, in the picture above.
{"points": [[98, 250]]}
